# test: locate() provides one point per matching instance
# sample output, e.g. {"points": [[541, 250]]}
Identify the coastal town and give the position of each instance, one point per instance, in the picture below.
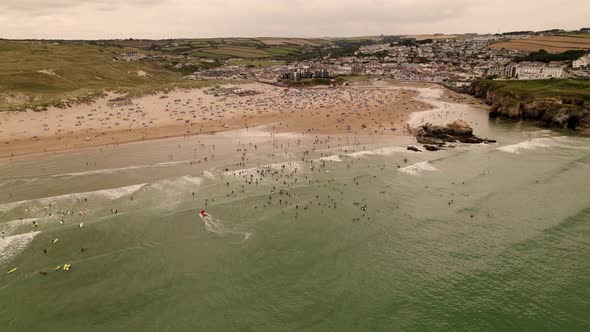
{"points": [[454, 61], [318, 88]]}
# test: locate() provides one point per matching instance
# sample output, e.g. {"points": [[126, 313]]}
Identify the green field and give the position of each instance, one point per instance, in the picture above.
{"points": [[542, 88], [38, 74], [257, 62], [207, 55], [226, 48], [238, 52], [581, 35]]}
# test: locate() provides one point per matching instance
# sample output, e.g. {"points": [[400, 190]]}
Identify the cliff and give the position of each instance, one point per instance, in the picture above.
{"points": [[557, 103]]}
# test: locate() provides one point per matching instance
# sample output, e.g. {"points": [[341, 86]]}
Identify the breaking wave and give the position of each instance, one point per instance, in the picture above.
{"points": [[378, 152], [418, 168], [544, 142], [112, 193], [335, 158], [11, 246], [527, 145], [9, 227], [209, 175], [173, 185], [127, 168]]}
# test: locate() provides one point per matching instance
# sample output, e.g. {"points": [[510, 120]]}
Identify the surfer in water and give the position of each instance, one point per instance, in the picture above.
{"points": [[217, 227], [203, 214]]}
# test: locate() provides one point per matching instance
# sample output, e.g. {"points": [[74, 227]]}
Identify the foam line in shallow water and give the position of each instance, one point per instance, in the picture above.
{"points": [[544, 142], [11, 246], [335, 158], [9, 227], [387, 151], [527, 145], [173, 185], [379, 152], [112, 193], [418, 168], [119, 169], [209, 175], [182, 182]]}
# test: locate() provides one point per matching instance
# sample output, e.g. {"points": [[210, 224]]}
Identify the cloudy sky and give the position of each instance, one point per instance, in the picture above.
{"points": [[94, 19]]}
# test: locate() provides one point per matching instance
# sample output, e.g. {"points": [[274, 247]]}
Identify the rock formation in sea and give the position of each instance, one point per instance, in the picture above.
{"points": [[434, 137]]}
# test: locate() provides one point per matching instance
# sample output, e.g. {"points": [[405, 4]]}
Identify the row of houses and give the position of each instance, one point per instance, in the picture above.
{"points": [[304, 73], [299, 73], [130, 56], [530, 70]]}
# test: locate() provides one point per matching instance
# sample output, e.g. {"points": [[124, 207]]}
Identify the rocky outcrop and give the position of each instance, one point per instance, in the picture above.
{"points": [[557, 111], [432, 147], [434, 138]]}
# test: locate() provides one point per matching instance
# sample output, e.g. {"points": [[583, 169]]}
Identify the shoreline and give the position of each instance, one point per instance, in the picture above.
{"points": [[378, 108]]}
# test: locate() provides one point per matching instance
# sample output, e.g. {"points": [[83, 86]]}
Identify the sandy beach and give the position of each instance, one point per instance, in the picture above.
{"points": [[362, 108]]}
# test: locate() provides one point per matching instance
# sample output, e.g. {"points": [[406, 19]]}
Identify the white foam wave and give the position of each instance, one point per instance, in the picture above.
{"points": [[418, 168], [9, 227], [209, 175], [112, 193], [335, 158], [359, 154], [194, 180], [529, 145], [119, 169], [11, 246], [379, 152], [173, 185]]}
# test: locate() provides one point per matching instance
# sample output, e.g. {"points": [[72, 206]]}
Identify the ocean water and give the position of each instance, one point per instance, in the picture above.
{"points": [[305, 233]]}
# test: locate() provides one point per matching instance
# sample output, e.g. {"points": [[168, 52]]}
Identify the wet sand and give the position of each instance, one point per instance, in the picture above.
{"points": [[363, 108]]}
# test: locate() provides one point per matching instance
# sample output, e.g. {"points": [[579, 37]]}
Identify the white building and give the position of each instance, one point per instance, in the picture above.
{"points": [[553, 70], [130, 56], [534, 70], [343, 70], [582, 62]]}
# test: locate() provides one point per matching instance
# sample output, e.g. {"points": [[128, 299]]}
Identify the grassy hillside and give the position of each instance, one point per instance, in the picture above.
{"points": [[37, 74], [256, 62], [227, 48], [570, 88], [581, 35]]}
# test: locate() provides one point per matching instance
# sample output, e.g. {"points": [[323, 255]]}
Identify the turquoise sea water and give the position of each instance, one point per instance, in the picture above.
{"points": [[370, 238]]}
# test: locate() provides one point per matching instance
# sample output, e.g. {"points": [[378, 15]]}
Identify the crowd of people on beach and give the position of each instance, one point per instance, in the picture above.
{"points": [[353, 109]]}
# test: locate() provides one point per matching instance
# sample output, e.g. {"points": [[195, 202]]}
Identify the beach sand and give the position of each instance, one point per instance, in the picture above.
{"points": [[361, 108]]}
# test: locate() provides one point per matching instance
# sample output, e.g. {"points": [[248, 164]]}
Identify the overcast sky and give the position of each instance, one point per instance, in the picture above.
{"points": [[95, 19]]}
